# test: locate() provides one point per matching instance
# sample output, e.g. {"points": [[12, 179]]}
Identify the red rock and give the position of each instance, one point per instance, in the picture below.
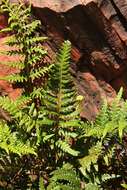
{"points": [[94, 92], [5, 87], [119, 82], [57, 5]]}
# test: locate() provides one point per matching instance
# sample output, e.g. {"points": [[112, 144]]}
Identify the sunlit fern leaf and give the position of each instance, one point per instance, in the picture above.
{"points": [[37, 93], [17, 65], [26, 43], [9, 105], [39, 72], [60, 103], [65, 147], [14, 78]]}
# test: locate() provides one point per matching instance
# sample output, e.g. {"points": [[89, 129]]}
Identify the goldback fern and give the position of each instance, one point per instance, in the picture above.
{"points": [[61, 119], [64, 178], [104, 142], [27, 44], [16, 137]]}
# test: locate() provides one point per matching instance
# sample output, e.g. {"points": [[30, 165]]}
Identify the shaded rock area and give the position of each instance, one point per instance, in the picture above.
{"points": [[98, 32]]}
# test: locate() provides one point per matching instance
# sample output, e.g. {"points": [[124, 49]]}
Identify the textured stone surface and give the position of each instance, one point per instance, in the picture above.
{"points": [[5, 87], [57, 5]]}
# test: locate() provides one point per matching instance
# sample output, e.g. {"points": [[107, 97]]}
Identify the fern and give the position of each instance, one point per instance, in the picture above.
{"points": [[91, 159], [111, 119], [103, 140], [27, 44], [10, 142], [60, 105], [64, 178]]}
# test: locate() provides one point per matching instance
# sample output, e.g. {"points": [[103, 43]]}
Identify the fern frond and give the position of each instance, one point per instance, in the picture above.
{"points": [[65, 147], [8, 105], [26, 43], [14, 78], [36, 39], [38, 93], [31, 27], [10, 142], [39, 72], [17, 65], [91, 158], [64, 178]]}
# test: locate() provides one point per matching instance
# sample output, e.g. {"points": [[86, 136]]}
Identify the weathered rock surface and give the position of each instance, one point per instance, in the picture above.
{"points": [[98, 32]]}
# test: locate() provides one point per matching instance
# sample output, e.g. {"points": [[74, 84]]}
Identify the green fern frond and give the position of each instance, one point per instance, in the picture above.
{"points": [[60, 105], [64, 178], [91, 158], [36, 39], [17, 65], [15, 52], [14, 78], [26, 43], [103, 116], [111, 119], [38, 50], [65, 147], [10, 142], [66, 124], [31, 27], [8, 105], [37, 93], [40, 72]]}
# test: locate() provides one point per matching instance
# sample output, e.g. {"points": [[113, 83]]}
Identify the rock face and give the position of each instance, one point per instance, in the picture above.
{"points": [[98, 32], [5, 87]]}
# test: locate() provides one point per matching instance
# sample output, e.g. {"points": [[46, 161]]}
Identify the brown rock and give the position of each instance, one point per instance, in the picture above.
{"points": [[56, 5]]}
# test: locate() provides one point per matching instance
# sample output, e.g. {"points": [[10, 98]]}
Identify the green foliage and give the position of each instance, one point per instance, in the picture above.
{"points": [[26, 43], [10, 142], [51, 124], [91, 158], [41, 184], [64, 178], [61, 118], [104, 141], [111, 120], [124, 185]]}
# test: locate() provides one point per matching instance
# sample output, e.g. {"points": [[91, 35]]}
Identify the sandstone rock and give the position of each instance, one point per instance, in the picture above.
{"points": [[5, 87]]}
